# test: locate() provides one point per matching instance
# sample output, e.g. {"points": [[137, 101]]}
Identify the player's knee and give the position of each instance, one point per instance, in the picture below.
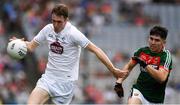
{"points": [[36, 100], [38, 96], [134, 100]]}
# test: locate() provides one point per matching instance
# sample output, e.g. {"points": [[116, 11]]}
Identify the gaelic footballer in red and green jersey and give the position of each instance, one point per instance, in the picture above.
{"points": [[151, 89]]}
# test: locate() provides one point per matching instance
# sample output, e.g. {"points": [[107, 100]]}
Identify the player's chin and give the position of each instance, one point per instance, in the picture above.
{"points": [[153, 48]]}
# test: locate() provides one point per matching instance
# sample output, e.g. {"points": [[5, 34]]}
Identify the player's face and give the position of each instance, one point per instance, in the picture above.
{"points": [[58, 22], [156, 43]]}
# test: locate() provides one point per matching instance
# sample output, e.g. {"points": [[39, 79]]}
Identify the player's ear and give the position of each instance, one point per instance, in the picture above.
{"points": [[67, 19], [164, 41]]}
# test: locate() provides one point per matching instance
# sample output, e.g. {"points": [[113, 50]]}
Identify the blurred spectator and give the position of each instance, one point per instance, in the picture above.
{"points": [[134, 14], [164, 1], [119, 58], [109, 95], [106, 10], [2, 30], [42, 64], [13, 81], [94, 96]]}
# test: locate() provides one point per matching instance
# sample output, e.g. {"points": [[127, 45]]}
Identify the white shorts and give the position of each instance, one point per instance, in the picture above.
{"points": [[61, 92], [136, 93]]}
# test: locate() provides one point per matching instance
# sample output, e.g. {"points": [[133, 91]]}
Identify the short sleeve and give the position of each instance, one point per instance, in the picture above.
{"points": [[166, 61], [79, 38], [137, 52], [41, 36]]}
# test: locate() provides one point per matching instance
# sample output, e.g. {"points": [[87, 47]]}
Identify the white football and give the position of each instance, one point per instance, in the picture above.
{"points": [[17, 49]]}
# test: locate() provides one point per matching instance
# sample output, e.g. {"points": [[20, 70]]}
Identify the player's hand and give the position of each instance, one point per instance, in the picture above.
{"points": [[14, 38], [140, 61], [120, 73], [119, 89]]}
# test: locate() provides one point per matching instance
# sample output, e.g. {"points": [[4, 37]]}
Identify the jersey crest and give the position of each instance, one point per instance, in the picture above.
{"points": [[56, 47]]}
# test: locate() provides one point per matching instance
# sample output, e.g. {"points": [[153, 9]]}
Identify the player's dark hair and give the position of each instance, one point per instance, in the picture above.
{"points": [[60, 10], [159, 31]]}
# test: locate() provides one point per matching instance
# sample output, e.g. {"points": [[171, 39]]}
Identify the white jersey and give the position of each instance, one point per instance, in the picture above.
{"points": [[63, 61]]}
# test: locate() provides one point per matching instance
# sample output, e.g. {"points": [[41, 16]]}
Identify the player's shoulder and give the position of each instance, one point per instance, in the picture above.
{"points": [[72, 26], [48, 27], [140, 50], [166, 57], [72, 29], [68, 28], [146, 48], [166, 53]]}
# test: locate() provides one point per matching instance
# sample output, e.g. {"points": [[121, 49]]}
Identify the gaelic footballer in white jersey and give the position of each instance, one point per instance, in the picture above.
{"points": [[64, 51]]}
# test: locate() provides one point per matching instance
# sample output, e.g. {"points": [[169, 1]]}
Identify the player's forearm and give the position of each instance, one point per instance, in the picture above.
{"points": [[126, 67], [30, 49], [31, 45], [104, 59], [156, 74], [129, 66], [101, 56]]}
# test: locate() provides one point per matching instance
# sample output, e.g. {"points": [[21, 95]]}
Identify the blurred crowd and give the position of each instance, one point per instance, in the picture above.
{"points": [[24, 18]]}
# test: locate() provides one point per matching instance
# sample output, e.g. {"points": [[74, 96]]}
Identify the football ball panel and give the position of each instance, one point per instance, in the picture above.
{"points": [[17, 49]]}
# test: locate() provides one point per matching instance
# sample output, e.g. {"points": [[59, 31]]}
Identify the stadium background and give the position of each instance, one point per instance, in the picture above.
{"points": [[117, 26]]}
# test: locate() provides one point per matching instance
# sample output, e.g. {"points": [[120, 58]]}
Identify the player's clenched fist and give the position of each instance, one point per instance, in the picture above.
{"points": [[119, 89]]}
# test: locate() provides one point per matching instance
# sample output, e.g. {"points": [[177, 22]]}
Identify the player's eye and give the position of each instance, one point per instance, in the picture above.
{"points": [[157, 40], [151, 38], [55, 21]]}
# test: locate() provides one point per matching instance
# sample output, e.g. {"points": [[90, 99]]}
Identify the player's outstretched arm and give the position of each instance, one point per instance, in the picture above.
{"points": [[118, 88], [129, 66], [105, 60], [30, 45]]}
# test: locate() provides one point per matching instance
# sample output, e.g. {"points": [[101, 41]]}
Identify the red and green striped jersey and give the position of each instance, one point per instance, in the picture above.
{"points": [[151, 89]]}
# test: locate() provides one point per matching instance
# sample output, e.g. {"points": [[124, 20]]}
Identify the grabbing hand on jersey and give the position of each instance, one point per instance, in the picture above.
{"points": [[140, 61]]}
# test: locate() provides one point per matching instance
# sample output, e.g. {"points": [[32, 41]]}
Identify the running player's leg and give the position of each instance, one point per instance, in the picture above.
{"points": [[134, 100], [62, 92], [137, 98], [38, 96]]}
